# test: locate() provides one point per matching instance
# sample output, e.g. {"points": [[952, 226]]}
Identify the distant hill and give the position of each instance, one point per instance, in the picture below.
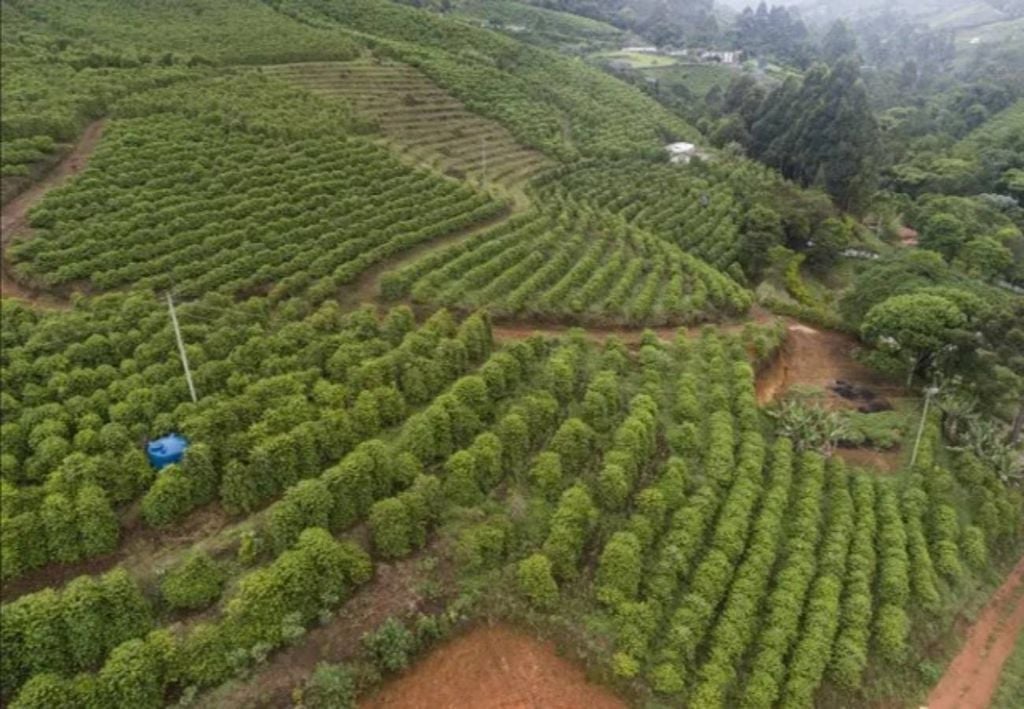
{"points": [[659, 20], [938, 14]]}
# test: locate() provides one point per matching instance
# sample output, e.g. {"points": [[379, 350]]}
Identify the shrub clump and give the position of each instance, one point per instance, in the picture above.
{"points": [[193, 584]]}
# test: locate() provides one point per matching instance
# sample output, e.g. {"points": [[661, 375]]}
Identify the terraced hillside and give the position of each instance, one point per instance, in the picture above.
{"points": [[568, 262], [367, 476], [642, 486], [555, 103], [421, 120], [288, 204]]}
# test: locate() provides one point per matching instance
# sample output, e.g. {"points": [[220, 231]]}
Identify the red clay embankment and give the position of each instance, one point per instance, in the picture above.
{"points": [[493, 667]]}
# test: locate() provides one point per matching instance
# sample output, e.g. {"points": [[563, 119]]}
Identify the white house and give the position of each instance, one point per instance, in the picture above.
{"points": [[723, 57], [681, 152]]}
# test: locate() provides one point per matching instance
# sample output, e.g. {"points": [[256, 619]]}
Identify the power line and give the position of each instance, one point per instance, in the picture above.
{"points": [[928, 394], [181, 349]]}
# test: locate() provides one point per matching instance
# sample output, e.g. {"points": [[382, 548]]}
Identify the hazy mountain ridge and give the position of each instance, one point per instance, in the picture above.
{"points": [[945, 14]]}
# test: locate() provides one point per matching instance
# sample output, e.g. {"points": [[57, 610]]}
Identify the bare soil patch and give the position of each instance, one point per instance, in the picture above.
{"points": [[887, 461], [973, 676], [14, 216], [819, 358], [491, 667]]}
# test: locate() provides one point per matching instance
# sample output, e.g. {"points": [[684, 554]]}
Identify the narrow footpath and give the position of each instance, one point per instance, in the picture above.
{"points": [[14, 215], [972, 677]]}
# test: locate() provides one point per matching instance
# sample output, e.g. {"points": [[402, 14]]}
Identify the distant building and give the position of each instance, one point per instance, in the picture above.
{"points": [[1003, 283], [721, 57], [640, 50], [908, 237], [860, 253], [681, 152]]}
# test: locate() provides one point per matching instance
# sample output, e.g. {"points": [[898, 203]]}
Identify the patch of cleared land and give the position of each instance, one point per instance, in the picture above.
{"points": [[638, 60], [421, 120], [492, 667]]}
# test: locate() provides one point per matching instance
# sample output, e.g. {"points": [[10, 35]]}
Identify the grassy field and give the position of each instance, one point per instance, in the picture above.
{"points": [[697, 78], [638, 60]]}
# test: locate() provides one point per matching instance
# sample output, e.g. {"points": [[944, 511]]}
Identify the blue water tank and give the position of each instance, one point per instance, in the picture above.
{"points": [[166, 450]]}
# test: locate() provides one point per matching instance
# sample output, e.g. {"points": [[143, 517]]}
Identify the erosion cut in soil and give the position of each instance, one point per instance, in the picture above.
{"points": [[823, 359]]}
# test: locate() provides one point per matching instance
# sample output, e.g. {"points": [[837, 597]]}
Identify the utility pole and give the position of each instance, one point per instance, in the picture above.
{"points": [[483, 161], [181, 348], [928, 394]]}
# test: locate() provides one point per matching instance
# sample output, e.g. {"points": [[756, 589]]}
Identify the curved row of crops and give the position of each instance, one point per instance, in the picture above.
{"points": [[704, 209], [280, 400], [66, 63], [398, 480], [239, 202], [727, 568], [417, 116], [213, 31], [580, 110], [756, 586], [567, 261]]}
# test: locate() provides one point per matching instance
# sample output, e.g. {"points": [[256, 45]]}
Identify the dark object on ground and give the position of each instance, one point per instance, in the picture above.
{"points": [[851, 392], [873, 407]]}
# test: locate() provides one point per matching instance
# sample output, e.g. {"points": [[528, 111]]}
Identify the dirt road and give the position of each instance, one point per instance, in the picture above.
{"points": [[973, 676], [14, 216]]}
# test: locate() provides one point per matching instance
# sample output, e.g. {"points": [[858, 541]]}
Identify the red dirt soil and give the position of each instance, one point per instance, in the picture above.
{"points": [[14, 216], [818, 358], [973, 676], [493, 667]]}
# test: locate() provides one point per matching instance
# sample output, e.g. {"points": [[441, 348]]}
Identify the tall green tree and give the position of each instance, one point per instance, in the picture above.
{"points": [[823, 133], [916, 328], [839, 42]]}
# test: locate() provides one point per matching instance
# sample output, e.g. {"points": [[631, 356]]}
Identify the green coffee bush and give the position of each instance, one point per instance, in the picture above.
{"points": [[194, 583], [391, 645], [536, 582]]}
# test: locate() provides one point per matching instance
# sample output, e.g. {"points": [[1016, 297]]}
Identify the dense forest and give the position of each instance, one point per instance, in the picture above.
{"points": [[688, 337]]}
